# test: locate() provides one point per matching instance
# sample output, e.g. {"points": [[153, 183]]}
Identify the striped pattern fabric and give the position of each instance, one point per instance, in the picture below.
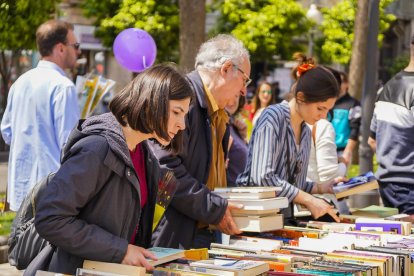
{"points": [[272, 149]]}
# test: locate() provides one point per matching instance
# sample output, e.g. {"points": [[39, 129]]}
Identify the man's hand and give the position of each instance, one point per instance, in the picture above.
{"points": [[136, 256], [227, 224]]}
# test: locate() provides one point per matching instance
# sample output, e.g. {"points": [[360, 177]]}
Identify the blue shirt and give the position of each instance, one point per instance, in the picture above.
{"points": [[42, 109], [273, 154]]}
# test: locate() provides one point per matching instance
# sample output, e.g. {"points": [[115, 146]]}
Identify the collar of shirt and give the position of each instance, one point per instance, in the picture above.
{"points": [[213, 108], [51, 65]]}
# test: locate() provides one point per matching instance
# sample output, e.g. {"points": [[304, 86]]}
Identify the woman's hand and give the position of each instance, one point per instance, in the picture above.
{"points": [[327, 188], [136, 256], [319, 207]]}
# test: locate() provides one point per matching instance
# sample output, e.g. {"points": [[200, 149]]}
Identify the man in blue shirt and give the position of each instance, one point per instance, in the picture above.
{"points": [[41, 111]]}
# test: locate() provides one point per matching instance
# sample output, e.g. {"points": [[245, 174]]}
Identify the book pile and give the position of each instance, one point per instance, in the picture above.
{"points": [[261, 207]]}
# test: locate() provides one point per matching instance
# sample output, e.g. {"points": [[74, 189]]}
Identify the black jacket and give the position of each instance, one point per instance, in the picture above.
{"points": [[92, 206], [193, 201]]}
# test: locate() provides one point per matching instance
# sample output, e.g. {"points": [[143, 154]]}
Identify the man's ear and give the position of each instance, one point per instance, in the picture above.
{"points": [[226, 67]]}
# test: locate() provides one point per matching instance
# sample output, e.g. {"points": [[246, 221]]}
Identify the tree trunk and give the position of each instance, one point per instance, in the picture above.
{"points": [[370, 87], [358, 58], [192, 31], [5, 72]]}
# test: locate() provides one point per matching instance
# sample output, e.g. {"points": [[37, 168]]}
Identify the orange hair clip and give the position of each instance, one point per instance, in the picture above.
{"points": [[304, 67]]}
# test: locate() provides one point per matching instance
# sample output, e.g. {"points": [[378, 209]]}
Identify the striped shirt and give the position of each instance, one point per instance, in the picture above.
{"points": [[272, 148]]}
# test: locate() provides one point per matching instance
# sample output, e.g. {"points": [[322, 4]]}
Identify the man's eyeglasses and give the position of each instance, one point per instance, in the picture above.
{"points": [[75, 45], [246, 78], [268, 92]]}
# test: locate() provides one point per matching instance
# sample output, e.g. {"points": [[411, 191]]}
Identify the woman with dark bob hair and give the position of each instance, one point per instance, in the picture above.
{"points": [[281, 141], [100, 203]]}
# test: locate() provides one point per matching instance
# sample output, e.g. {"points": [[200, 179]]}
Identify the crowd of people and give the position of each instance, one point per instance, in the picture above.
{"points": [[99, 204]]}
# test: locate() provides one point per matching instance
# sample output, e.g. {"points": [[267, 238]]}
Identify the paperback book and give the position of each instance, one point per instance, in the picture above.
{"points": [[356, 185]]}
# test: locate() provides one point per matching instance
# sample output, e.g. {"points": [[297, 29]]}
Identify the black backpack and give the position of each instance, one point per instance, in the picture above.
{"points": [[24, 241]]}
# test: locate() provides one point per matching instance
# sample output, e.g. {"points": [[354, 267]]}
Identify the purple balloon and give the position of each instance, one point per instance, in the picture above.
{"points": [[135, 49]]}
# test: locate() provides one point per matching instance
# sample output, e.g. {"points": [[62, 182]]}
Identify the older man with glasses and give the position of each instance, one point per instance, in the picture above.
{"points": [[221, 76], [42, 109]]}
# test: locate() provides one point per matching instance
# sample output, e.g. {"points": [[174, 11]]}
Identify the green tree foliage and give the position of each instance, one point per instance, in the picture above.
{"points": [[266, 27], [19, 20], [338, 30], [158, 17]]}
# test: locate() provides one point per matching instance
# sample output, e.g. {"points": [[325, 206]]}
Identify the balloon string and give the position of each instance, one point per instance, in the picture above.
{"points": [[144, 62]]}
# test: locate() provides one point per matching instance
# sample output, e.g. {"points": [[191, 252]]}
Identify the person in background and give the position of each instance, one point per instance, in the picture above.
{"points": [[237, 153], [42, 108], [346, 120], [221, 76], [280, 144], [392, 137], [324, 164], [263, 98], [100, 203]]}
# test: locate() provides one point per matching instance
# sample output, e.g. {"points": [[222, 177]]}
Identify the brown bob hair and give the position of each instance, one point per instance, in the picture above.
{"points": [[144, 103]]}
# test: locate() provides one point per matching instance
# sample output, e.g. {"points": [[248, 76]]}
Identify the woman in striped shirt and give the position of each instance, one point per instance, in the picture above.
{"points": [[280, 144]]}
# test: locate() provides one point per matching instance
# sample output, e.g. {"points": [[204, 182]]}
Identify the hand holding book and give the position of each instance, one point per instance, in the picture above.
{"points": [[138, 256], [227, 224]]}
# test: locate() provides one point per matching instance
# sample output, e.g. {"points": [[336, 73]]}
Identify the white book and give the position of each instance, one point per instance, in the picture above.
{"points": [[262, 204], [248, 192], [259, 224]]}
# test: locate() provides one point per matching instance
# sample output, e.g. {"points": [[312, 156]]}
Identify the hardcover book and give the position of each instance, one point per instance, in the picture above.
{"points": [[356, 185]]}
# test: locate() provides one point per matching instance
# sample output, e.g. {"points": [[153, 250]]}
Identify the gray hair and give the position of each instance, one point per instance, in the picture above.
{"points": [[219, 49]]}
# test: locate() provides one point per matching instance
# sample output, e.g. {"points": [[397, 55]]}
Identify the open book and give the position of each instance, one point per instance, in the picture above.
{"points": [[356, 185]]}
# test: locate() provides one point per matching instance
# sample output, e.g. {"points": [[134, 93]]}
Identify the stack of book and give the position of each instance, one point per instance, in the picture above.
{"points": [[261, 206]]}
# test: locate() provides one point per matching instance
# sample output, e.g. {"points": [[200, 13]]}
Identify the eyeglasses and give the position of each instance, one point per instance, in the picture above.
{"points": [[75, 45], [268, 92], [246, 79]]}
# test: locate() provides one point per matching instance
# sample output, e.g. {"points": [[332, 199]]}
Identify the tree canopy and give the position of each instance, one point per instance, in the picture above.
{"points": [[338, 30], [158, 17], [19, 20], [266, 27]]}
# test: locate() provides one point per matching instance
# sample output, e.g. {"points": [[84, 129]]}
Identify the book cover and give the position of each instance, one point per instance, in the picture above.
{"points": [[375, 211], [195, 269], [242, 267], [165, 255], [380, 225], [355, 185]]}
